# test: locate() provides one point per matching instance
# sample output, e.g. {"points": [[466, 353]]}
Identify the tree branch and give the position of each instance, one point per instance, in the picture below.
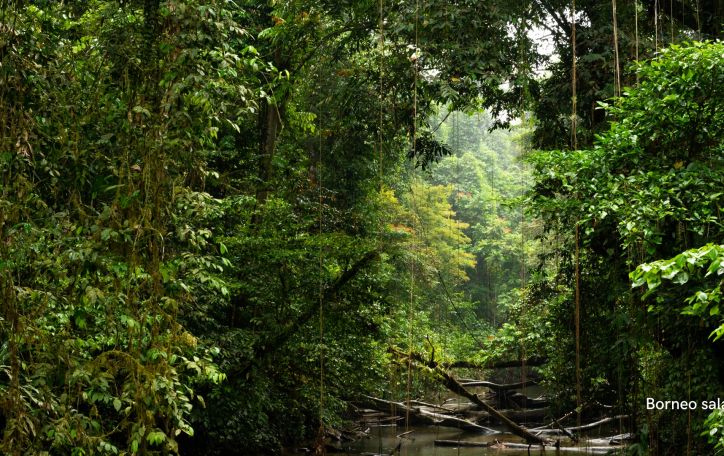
{"points": [[543, 7], [268, 345]]}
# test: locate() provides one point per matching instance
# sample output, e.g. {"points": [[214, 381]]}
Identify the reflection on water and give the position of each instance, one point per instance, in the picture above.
{"points": [[421, 442], [384, 439]]}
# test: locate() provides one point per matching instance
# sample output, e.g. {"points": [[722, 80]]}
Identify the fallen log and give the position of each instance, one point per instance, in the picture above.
{"points": [[456, 406], [450, 383], [565, 431], [525, 407], [422, 416], [588, 426], [523, 401], [619, 439], [523, 446], [497, 387], [583, 427], [385, 419], [432, 406], [535, 415], [453, 385], [474, 410], [573, 449], [556, 422]]}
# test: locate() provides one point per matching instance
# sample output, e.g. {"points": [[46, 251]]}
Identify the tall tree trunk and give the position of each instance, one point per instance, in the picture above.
{"points": [[270, 125]]}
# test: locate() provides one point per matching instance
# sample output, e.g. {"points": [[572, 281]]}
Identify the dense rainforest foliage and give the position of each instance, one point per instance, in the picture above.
{"points": [[221, 221]]}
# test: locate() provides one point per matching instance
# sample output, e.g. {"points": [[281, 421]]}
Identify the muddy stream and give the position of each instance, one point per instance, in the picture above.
{"points": [[381, 437]]}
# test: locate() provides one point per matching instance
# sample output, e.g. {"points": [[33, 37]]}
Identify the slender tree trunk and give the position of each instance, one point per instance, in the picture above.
{"points": [[270, 126]]}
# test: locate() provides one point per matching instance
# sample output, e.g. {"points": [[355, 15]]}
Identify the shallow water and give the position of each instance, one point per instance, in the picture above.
{"points": [[421, 442], [382, 438]]}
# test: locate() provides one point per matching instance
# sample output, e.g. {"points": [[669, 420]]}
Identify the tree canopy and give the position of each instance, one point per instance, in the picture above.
{"points": [[220, 221]]}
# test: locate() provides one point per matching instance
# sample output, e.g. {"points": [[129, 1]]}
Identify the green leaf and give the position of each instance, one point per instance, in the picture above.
{"points": [[156, 437], [681, 278]]}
